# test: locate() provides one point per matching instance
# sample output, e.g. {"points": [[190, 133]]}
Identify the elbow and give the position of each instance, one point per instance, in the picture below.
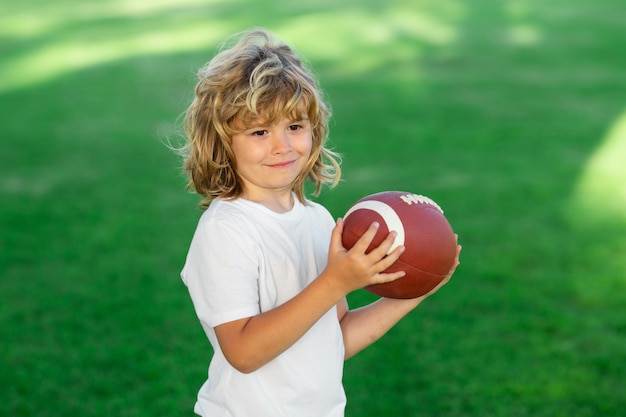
{"points": [[246, 364], [241, 350], [245, 368]]}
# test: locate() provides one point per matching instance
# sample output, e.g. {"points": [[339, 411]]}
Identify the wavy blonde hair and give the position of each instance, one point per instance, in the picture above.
{"points": [[258, 77]]}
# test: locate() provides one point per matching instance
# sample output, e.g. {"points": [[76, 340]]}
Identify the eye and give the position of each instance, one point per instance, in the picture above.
{"points": [[299, 124], [259, 132]]}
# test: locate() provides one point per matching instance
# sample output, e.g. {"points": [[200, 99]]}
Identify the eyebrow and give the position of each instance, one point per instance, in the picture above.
{"points": [[263, 123]]}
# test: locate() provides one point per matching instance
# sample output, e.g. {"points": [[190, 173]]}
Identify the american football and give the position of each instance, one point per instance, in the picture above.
{"points": [[421, 227]]}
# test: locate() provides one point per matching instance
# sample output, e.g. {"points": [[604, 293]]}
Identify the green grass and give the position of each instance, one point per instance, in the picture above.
{"points": [[508, 114]]}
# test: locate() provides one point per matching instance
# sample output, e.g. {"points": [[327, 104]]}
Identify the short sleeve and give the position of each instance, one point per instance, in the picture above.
{"points": [[221, 273]]}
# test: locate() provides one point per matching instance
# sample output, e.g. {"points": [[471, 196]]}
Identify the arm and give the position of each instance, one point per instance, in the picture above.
{"points": [[251, 342], [362, 327]]}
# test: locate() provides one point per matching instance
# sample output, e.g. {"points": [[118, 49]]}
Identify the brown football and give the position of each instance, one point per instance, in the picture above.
{"points": [[422, 228]]}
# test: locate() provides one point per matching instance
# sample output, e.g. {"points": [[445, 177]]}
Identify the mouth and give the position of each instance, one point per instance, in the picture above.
{"points": [[280, 165]]}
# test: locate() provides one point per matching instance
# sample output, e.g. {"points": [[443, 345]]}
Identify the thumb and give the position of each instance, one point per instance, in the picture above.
{"points": [[335, 237]]}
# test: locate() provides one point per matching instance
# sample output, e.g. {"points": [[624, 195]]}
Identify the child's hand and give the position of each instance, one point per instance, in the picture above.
{"points": [[449, 275], [354, 269]]}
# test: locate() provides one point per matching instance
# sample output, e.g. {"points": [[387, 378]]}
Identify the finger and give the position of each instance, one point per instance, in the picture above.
{"points": [[458, 255], [383, 249], [390, 259], [335, 236], [366, 238], [448, 276], [387, 277], [456, 261]]}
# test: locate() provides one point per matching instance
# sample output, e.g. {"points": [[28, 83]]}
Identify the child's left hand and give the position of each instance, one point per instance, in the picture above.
{"points": [[449, 274]]}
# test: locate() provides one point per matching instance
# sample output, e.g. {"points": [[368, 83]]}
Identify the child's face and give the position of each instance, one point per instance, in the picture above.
{"points": [[270, 156]]}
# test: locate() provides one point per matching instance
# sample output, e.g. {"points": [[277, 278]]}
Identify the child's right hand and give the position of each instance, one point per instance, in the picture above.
{"points": [[354, 269]]}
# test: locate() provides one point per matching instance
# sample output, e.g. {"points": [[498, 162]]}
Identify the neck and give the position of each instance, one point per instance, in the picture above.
{"points": [[277, 203]]}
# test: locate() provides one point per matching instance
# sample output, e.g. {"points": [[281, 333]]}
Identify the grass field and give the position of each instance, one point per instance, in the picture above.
{"points": [[510, 114]]}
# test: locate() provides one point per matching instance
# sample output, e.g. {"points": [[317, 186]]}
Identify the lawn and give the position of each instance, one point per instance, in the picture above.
{"points": [[510, 114]]}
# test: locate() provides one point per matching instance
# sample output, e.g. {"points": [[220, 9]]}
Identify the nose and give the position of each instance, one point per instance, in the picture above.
{"points": [[281, 143]]}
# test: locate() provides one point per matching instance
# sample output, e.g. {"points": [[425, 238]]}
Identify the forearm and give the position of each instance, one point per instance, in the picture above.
{"points": [[363, 326], [251, 343]]}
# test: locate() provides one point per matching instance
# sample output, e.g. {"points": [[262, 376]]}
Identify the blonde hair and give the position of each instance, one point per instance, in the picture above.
{"points": [[258, 77]]}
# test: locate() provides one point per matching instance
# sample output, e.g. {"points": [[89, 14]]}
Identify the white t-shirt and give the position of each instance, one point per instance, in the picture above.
{"points": [[245, 259]]}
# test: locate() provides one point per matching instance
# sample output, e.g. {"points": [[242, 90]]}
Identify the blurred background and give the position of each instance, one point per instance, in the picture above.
{"points": [[511, 114]]}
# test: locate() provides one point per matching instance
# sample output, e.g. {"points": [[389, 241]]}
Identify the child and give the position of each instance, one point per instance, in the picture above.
{"points": [[266, 270]]}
